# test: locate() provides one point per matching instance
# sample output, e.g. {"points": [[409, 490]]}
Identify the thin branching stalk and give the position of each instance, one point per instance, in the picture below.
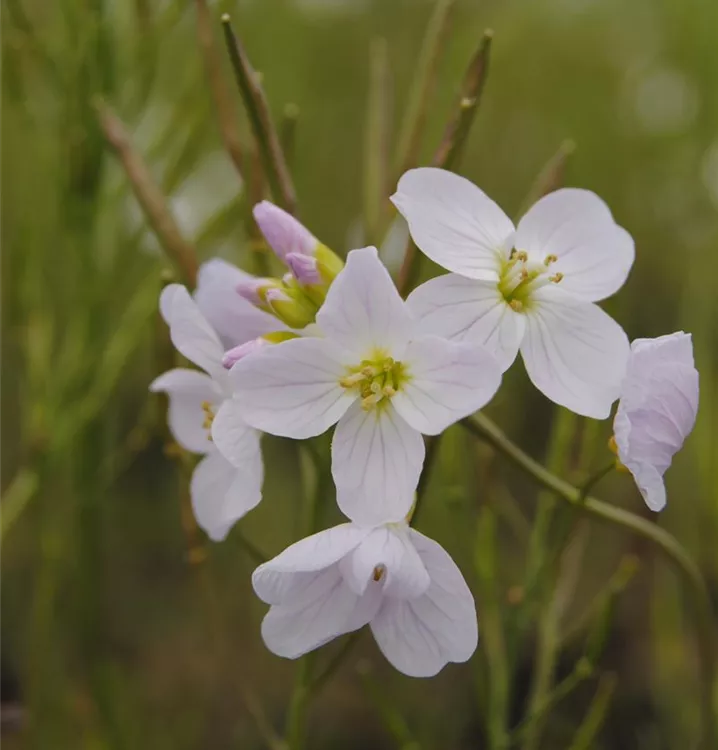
{"points": [[483, 428], [288, 131], [451, 145], [260, 119], [585, 736], [226, 116], [148, 194], [551, 177], [423, 86], [376, 147]]}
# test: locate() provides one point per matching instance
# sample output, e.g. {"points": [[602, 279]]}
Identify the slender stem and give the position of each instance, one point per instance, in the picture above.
{"points": [[376, 140], [451, 145], [432, 453], [296, 734], [484, 428], [335, 662], [581, 672], [414, 120], [551, 177], [148, 194], [288, 130], [260, 119], [586, 734], [226, 118]]}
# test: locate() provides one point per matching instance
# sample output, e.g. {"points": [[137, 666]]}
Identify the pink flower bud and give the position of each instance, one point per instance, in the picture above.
{"points": [[251, 288], [305, 268], [274, 295], [233, 356], [283, 232]]}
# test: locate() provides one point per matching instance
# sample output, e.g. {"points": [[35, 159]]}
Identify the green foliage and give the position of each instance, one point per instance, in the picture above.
{"points": [[114, 636]]}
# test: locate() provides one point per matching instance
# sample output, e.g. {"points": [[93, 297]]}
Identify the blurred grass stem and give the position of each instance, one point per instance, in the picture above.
{"points": [[148, 194], [448, 154], [260, 119], [483, 428]]}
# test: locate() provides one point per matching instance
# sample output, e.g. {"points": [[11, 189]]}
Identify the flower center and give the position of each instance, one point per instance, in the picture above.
{"points": [[208, 417], [520, 277], [375, 380]]}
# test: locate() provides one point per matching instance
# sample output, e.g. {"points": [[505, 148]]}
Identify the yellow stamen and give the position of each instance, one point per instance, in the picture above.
{"points": [[378, 573], [516, 305], [556, 278], [549, 259]]}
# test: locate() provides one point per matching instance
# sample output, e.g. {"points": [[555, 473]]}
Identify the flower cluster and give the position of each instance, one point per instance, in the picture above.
{"points": [[334, 343]]}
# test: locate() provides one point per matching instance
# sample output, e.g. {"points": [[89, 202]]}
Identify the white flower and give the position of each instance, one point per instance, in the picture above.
{"points": [[657, 410], [235, 319], [401, 583], [227, 484], [378, 376], [530, 288]]}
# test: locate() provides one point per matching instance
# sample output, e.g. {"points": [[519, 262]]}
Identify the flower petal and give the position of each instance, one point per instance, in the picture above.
{"points": [[448, 381], [454, 222], [187, 391], [575, 354], [593, 253], [292, 389], [363, 310], [222, 494], [386, 556], [657, 410], [191, 334], [420, 636], [461, 309], [234, 438], [235, 319], [376, 463], [283, 578], [322, 613]]}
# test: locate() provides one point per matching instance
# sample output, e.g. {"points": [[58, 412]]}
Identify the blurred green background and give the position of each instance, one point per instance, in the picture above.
{"points": [[112, 637]]}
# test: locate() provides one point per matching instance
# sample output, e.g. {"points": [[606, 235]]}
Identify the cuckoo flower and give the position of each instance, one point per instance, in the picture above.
{"points": [[227, 482], [235, 319], [401, 583], [374, 372], [529, 288], [657, 410]]}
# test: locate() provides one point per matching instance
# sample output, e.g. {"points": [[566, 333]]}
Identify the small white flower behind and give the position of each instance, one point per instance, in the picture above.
{"points": [[402, 584], [657, 410]]}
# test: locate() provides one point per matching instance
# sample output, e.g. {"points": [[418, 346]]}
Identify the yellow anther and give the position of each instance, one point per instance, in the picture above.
{"points": [[351, 380], [522, 256], [516, 305], [378, 573], [208, 416], [556, 278], [388, 391], [369, 371], [388, 365], [549, 259], [375, 387], [524, 274], [370, 401]]}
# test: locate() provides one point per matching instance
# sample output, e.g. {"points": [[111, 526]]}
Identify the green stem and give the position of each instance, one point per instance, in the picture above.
{"points": [[335, 662], [260, 119], [432, 453], [482, 427], [586, 734], [297, 716]]}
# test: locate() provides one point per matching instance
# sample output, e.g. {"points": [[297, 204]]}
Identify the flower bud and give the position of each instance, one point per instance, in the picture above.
{"points": [[283, 232], [233, 356], [291, 306], [254, 290], [305, 268]]}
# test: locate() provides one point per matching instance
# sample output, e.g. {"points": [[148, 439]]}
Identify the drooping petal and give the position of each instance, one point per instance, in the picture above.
{"points": [[190, 332], [234, 438], [454, 222], [363, 311], [292, 389], [235, 319], [322, 613], [386, 556], [376, 462], [657, 410], [420, 636], [221, 494], [188, 390], [462, 309], [448, 380], [575, 226], [575, 354], [283, 579]]}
